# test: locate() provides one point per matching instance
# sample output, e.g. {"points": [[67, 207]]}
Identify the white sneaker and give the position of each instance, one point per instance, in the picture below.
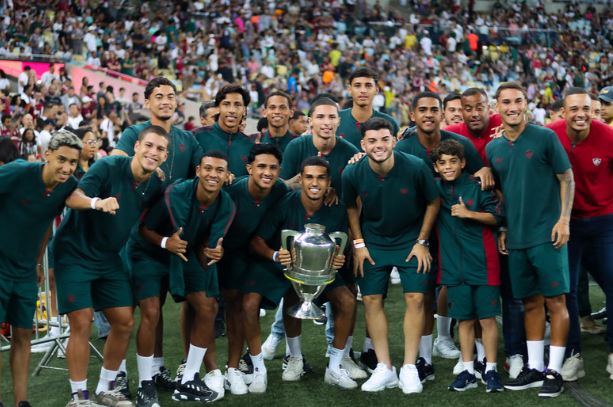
{"points": [[572, 369], [60, 353], [382, 378], [215, 380], [262, 312], [395, 276], [41, 347], [409, 380], [445, 348], [339, 379], [234, 382], [459, 367], [294, 370], [354, 371], [269, 347], [259, 382], [610, 366], [516, 364], [359, 296]]}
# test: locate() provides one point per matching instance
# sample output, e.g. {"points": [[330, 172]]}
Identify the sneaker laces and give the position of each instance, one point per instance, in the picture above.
{"points": [[122, 382], [447, 345], [115, 393], [181, 370]]}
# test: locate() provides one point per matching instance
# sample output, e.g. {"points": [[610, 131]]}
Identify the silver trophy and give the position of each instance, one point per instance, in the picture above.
{"points": [[311, 269]]}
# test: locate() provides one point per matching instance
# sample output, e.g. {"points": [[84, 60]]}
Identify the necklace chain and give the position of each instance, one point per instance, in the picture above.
{"points": [[172, 161]]}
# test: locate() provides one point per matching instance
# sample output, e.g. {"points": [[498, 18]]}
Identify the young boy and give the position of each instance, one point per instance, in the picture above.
{"points": [[469, 260]]}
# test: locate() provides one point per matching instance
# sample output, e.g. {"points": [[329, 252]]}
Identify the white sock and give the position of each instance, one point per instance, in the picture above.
{"points": [[55, 330], [157, 364], [76, 386], [144, 368], [294, 347], [106, 377], [556, 357], [122, 367], [480, 349], [470, 366], [286, 347], [443, 325], [194, 360], [536, 350], [348, 345], [367, 345], [490, 366], [425, 348], [258, 362], [336, 356]]}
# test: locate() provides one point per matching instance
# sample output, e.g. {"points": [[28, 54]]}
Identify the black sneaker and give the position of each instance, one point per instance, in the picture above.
{"points": [[163, 380], [146, 396], [600, 314], [480, 369], [425, 370], [493, 382], [553, 385], [122, 384], [306, 367], [220, 329], [463, 382], [368, 360], [21, 404], [180, 371], [528, 378], [194, 390]]}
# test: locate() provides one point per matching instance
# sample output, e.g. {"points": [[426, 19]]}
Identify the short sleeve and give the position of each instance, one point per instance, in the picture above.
{"points": [[10, 174], [474, 162], [272, 221], [349, 194], [157, 216], [289, 165], [127, 140], [431, 191], [94, 179], [557, 156]]}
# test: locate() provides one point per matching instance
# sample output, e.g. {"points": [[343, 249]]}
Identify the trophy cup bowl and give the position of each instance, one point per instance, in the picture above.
{"points": [[311, 268]]}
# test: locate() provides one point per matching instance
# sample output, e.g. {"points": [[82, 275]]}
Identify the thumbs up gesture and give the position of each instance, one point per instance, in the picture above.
{"points": [[459, 210], [214, 254], [176, 245]]}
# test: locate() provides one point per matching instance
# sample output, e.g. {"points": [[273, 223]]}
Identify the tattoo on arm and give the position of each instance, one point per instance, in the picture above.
{"points": [[567, 192]]}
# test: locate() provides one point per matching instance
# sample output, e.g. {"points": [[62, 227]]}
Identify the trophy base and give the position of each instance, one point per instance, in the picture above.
{"points": [[306, 310]]}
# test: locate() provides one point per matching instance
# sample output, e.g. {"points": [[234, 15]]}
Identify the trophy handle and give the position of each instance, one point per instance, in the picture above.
{"points": [[343, 237], [285, 233]]}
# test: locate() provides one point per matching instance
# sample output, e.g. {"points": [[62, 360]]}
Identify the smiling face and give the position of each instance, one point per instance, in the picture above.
{"points": [[231, 112], [325, 121], [427, 115], [264, 170], [162, 102], [378, 145], [512, 106], [449, 167], [315, 181], [577, 111], [453, 112], [212, 173], [151, 152], [62, 163], [278, 112], [90, 146]]}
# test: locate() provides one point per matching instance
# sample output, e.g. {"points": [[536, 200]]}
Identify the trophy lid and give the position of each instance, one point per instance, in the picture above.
{"points": [[314, 228]]}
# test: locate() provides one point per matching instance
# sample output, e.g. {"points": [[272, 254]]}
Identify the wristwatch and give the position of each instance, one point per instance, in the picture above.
{"points": [[424, 243]]}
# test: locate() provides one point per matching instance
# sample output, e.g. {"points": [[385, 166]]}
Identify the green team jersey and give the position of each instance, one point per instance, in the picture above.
{"points": [[349, 128], [411, 145], [302, 148], [184, 152], [468, 249], [279, 142], [236, 145], [249, 212], [27, 209], [92, 238], [526, 169], [393, 206]]}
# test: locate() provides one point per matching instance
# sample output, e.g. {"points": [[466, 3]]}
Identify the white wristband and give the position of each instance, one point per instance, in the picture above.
{"points": [[92, 203], [274, 256], [163, 243], [359, 245]]}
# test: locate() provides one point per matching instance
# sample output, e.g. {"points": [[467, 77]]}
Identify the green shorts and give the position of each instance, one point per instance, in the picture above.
{"points": [[541, 269], [232, 271], [267, 278], [376, 278], [466, 302], [18, 302], [80, 287]]}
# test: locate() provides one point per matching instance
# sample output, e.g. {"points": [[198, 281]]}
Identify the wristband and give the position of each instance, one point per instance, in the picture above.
{"points": [[359, 245], [274, 256], [502, 229], [92, 203], [564, 223], [356, 241], [163, 243]]}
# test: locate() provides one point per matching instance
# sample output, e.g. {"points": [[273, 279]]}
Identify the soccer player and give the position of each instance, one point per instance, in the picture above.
{"points": [[388, 235], [89, 272], [363, 86], [169, 244], [536, 180], [225, 135], [253, 195], [266, 284], [589, 145], [277, 111], [452, 109], [606, 97], [31, 196], [469, 260], [298, 123]]}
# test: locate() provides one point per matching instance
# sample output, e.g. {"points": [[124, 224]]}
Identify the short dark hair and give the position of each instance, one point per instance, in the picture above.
{"points": [[450, 97], [315, 161], [155, 83], [594, 97], [8, 150], [447, 147], [278, 93], [228, 89], [510, 85], [576, 91], [376, 123], [557, 105], [259, 149], [215, 154], [26, 68], [322, 102], [297, 115], [160, 131], [426, 94], [325, 95], [364, 72], [82, 131], [474, 91], [204, 107], [262, 124]]}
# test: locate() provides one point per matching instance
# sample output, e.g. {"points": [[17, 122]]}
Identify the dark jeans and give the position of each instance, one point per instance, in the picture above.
{"points": [[590, 245], [513, 325], [583, 294]]}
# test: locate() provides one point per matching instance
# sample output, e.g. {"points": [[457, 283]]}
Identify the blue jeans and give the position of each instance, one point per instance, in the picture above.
{"points": [[513, 325], [590, 245], [102, 324], [278, 329]]}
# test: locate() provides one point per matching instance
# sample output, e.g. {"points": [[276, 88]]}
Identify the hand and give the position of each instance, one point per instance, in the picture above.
{"points": [[331, 198], [230, 179], [460, 211], [339, 259], [356, 157], [497, 132], [360, 255], [160, 174], [108, 205], [560, 234], [40, 276], [502, 243], [176, 245], [284, 257], [214, 254], [424, 258], [486, 177], [406, 133]]}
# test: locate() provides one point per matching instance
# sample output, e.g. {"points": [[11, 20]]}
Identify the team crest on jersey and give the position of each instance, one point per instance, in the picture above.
{"points": [[470, 202], [498, 160], [404, 191], [341, 169], [529, 154], [364, 193], [26, 202], [244, 158], [596, 161], [182, 147]]}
